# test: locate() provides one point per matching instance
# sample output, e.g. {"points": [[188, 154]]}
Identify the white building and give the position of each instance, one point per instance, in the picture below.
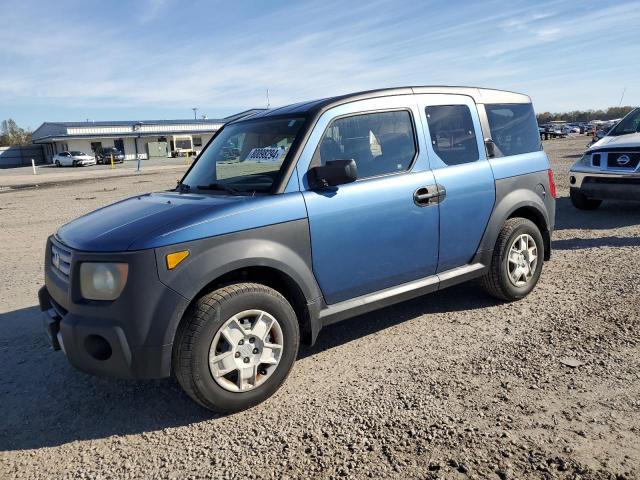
{"points": [[130, 137]]}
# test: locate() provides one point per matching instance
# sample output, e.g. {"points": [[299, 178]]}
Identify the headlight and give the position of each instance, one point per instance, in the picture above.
{"points": [[585, 160], [102, 281]]}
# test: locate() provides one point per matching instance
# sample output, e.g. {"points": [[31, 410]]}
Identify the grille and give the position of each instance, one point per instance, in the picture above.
{"points": [[60, 261], [631, 163]]}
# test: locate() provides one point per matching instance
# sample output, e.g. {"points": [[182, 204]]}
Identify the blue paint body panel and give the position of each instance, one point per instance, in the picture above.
{"points": [[515, 165], [464, 212], [370, 235], [160, 219]]}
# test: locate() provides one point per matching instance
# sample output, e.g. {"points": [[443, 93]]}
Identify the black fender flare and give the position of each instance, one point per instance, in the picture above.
{"points": [[283, 247], [509, 201]]}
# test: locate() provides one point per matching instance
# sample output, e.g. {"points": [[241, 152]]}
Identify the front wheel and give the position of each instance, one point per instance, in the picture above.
{"points": [[516, 264], [581, 201], [236, 346]]}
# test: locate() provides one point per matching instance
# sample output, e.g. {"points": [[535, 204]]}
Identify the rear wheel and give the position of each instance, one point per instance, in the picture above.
{"points": [[57, 163], [236, 346], [516, 264], [581, 201]]}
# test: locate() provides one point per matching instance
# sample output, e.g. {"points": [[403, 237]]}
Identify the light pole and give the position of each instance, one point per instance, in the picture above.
{"points": [[195, 113], [136, 128]]}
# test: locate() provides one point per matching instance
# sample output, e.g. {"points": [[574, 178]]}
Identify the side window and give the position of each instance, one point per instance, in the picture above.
{"points": [[380, 143], [452, 133], [514, 129]]}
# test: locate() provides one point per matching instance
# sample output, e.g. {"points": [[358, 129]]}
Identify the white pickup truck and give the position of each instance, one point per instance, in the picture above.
{"points": [[610, 168]]}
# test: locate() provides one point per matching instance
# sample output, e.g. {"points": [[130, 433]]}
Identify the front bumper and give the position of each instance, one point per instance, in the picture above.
{"points": [[606, 186], [130, 337]]}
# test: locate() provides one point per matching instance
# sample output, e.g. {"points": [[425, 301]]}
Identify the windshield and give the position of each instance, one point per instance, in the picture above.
{"points": [[629, 124], [246, 156], [77, 154]]}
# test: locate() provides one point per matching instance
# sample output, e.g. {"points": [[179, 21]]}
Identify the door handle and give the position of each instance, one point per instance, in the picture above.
{"points": [[429, 195]]}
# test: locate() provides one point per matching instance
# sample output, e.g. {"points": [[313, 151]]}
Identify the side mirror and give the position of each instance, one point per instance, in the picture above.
{"points": [[333, 173], [491, 147]]}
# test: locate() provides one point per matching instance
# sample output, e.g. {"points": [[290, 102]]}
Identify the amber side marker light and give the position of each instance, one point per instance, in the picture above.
{"points": [[174, 259]]}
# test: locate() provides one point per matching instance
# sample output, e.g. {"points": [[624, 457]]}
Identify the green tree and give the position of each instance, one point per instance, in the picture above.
{"points": [[12, 135], [585, 115]]}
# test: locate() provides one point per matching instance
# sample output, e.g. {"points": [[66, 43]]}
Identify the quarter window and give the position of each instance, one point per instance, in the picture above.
{"points": [[452, 132], [380, 143], [514, 129]]}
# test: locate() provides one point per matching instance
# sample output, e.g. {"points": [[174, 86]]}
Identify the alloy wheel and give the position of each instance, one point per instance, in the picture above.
{"points": [[246, 350], [523, 260]]}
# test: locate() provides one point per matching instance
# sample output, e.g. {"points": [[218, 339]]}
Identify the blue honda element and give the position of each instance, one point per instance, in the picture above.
{"points": [[295, 218]]}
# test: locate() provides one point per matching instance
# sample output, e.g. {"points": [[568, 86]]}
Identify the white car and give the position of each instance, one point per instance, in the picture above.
{"points": [[73, 159]]}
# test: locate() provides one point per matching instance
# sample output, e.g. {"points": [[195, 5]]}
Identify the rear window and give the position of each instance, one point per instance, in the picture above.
{"points": [[514, 129]]}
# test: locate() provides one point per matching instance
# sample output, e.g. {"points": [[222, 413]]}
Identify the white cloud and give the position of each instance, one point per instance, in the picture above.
{"points": [[311, 52]]}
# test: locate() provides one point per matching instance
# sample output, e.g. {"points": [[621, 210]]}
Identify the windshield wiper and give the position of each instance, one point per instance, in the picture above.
{"points": [[221, 186], [183, 187]]}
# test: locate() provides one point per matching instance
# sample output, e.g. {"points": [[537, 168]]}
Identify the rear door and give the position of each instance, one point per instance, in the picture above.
{"points": [[371, 234], [459, 163]]}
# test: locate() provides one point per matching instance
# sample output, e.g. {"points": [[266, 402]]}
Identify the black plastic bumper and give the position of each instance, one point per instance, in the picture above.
{"points": [[611, 191], [130, 337]]}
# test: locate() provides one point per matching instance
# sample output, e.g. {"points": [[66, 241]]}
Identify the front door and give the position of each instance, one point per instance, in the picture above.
{"points": [[459, 163], [371, 234]]}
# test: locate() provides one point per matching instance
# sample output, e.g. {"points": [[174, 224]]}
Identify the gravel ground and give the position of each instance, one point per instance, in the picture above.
{"points": [[452, 385]]}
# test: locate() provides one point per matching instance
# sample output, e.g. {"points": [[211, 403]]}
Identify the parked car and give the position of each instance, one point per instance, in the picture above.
{"points": [[104, 155], [73, 159], [336, 207], [610, 168]]}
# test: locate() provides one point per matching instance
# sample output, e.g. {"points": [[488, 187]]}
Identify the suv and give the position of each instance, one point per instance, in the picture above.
{"points": [[333, 208], [104, 155], [610, 168]]}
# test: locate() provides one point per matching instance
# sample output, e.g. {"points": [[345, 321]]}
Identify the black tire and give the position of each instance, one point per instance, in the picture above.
{"points": [[581, 201], [198, 328], [58, 163], [496, 281], [74, 164]]}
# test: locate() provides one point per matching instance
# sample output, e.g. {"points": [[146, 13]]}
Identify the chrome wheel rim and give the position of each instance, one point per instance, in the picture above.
{"points": [[523, 260], [246, 351]]}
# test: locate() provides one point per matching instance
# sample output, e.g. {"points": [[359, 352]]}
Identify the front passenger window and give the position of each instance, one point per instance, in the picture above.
{"points": [[380, 143], [453, 136]]}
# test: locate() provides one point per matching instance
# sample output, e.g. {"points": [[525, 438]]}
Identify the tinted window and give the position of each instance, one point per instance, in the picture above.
{"points": [[629, 124], [453, 137], [380, 143], [514, 128]]}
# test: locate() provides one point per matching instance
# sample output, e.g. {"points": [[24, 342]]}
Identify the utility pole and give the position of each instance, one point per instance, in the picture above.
{"points": [[195, 113], [268, 104], [623, 92]]}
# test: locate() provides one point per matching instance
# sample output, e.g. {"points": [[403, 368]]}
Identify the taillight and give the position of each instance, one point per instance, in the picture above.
{"points": [[552, 185]]}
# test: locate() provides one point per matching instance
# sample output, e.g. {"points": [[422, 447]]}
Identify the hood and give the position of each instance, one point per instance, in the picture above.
{"points": [[160, 219], [624, 141]]}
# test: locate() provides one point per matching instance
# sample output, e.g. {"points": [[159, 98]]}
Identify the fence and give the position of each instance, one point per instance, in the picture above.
{"points": [[21, 156]]}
